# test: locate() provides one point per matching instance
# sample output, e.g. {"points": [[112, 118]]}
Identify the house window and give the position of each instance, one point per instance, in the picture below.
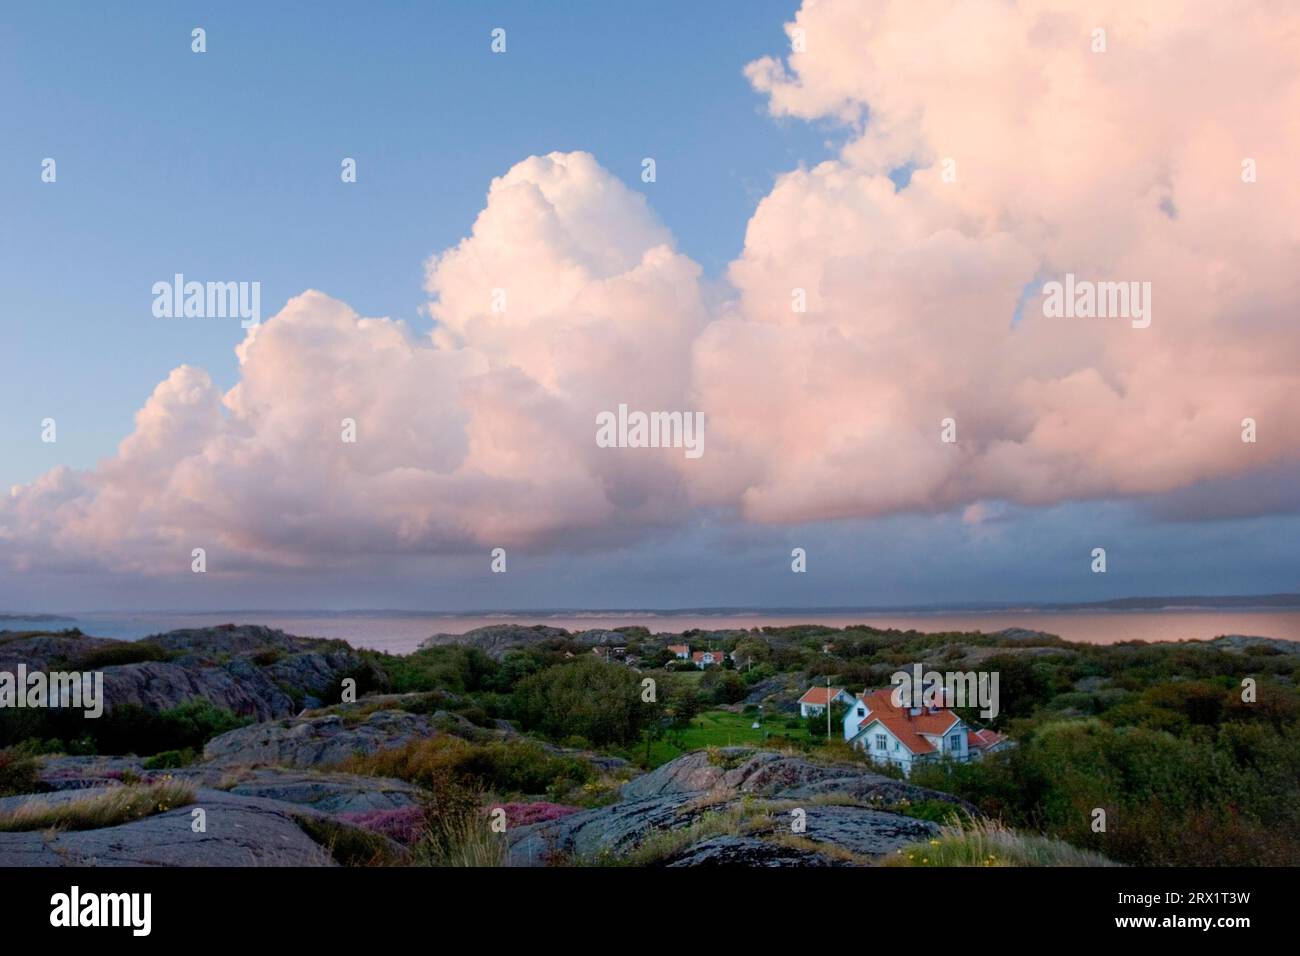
{"points": [[862, 712], [954, 742], [881, 742]]}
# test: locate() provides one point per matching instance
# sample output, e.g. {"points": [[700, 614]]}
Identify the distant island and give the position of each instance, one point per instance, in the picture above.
{"points": [[1173, 602]]}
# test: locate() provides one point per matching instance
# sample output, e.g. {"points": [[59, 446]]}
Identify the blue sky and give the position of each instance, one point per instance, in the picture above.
{"points": [[227, 165], [172, 161]]}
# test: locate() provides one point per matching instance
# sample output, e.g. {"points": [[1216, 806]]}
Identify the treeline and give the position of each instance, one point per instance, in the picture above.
{"points": [[1186, 772]]}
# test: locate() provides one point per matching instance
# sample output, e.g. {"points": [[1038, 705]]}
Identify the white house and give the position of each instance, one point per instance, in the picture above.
{"points": [[910, 735], [813, 702], [680, 651], [703, 659]]}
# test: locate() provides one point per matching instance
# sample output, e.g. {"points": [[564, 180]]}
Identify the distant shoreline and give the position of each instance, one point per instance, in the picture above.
{"points": [[403, 631], [1173, 604]]}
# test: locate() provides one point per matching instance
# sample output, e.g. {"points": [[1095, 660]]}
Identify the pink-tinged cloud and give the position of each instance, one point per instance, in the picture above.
{"points": [[480, 437], [1033, 157], [1123, 165]]}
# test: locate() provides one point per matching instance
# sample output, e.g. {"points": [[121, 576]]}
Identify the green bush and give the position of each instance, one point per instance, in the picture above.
{"points": [[19, 772], [1224, 796], [504, 766], [115, 655], [126, 729], [349, 845], [171, 759], [587, 697]]}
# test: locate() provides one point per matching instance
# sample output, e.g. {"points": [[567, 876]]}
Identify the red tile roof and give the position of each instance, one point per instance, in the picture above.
{"points": [[819, 695], [983, 739], [904, 725]]}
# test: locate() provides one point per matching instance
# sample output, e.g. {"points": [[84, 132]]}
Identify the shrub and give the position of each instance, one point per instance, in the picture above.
{"points": [[506, 766], [19, 772], [457, 828], [348, 845], [117, 654], [406, 825], [369, 678], [590, 698], [127, 728], [171, 759], [133, 729], [522, 814], [723, 686], [448, 667]]}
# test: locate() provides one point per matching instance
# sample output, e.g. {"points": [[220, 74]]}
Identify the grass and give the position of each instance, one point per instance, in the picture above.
{"points": [[107, 809], [349, 845], [988, 843], [507, 766], [663, 844], [467, 840], [722, 728]]}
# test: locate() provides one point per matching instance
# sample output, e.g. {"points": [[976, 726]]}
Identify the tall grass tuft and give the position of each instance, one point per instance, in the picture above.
{"points": [[107, 809], [989, 843]]}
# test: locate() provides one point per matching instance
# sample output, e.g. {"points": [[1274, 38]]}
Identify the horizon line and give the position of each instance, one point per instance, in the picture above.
{"points": [[1204, 601]]}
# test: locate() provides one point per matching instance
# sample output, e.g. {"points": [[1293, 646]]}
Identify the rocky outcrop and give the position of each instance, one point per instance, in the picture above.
{"points": [[239, 687], [240, 831], [743, 770], [844, 807], [252, 671], [606, 831], [496, 639], [862, 830], [321, 741], [747, 852], [40, 651], [327, 792], [1247, 643]]}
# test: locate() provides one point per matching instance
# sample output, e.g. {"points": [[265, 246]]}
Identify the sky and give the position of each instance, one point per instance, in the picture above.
{"points": [[917, 174]]}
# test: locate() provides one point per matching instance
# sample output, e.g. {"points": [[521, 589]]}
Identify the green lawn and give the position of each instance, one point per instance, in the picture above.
{"points": [[721, 728]]}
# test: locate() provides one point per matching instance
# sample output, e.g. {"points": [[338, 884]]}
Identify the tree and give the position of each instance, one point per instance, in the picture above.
{"points": [[586, 697]]}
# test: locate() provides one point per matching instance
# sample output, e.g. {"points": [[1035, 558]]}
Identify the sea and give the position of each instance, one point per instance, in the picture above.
{"points": [[401, 632]]}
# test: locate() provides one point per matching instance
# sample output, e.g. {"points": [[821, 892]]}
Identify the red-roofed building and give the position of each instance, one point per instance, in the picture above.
{"points": [[703, 659], [680, 651], [986, 741], [813, 702], [908, 735]]}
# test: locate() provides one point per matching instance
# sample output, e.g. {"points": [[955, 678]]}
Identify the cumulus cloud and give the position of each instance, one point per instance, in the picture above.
{"points": [[1123, 165], [1031, 156], [480, 436]]}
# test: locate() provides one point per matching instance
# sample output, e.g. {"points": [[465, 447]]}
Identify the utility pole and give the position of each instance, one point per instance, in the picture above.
{"points": [[828, 710]]}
